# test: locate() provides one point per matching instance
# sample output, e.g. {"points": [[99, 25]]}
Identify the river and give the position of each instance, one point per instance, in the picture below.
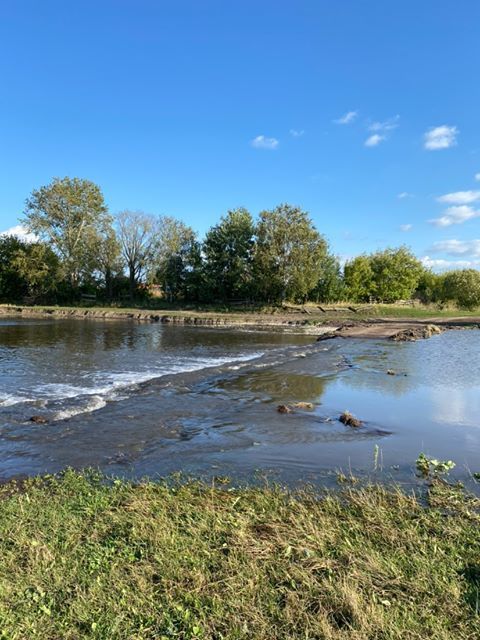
{"points": [[141, 399]]}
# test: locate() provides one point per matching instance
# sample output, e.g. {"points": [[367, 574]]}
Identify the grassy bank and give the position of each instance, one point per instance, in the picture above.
{"points": [[80, 559], [309, 314]]}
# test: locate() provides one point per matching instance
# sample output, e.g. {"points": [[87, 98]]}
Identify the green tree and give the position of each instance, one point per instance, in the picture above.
{"points": [[69, 214], [175, 240], [430, 287], [462, 287], [40, 269], [12, 283], [228, 250], [396, 274], [358, 279], [288, 255], [330, 287]]}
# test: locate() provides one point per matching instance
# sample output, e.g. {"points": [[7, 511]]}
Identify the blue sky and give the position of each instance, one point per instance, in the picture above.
{"points": [[363, 113]]}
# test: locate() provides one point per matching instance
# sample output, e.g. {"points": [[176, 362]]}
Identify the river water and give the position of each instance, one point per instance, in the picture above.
{"points": [[147, 400]]}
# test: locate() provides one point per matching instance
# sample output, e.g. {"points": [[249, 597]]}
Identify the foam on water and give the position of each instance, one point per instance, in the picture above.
{"points": [[109, 385], [10, 400]]}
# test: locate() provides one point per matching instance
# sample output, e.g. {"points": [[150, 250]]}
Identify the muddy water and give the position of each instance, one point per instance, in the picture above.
{"points": [[147, 400]]}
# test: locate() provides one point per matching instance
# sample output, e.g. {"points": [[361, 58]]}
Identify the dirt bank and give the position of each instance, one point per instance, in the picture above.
{"points": [[407, 330], [315, 324]]}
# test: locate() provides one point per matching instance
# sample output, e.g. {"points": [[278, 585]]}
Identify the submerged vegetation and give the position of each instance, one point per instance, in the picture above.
{"points": [[81, 250], [82, 558]]}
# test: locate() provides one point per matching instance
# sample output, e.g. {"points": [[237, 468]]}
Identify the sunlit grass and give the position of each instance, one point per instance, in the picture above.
{"points": [[84, 559]]}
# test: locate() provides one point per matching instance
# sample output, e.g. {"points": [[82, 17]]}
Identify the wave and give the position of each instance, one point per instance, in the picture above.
{"points": [[10, 400], [94, 404], [108, 386]]}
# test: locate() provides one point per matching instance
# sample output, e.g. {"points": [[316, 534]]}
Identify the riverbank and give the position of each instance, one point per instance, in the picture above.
{"points": [[82, 559], [361, 321]]}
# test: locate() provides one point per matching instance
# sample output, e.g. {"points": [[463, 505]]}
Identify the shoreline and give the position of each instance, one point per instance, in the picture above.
{"points": [[324, 325]]}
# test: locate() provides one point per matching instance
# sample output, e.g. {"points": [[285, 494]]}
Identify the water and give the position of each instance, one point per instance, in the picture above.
{"points": [[147, 400]]}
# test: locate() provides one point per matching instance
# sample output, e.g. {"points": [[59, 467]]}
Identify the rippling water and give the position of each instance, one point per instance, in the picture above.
{"points": [[146, 399]]}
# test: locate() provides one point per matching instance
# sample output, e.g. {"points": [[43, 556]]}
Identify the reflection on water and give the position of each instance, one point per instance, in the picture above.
{"points": [[146, 399]]}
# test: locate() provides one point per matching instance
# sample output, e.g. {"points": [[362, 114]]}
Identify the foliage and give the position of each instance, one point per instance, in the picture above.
{"points": [[12, 283], [40, 269], [462, 287], [358, 278], [395, 274], [174, 254], [430, 287], [84, 559], [431, 466], [386, 276], [228, 250], [288, 255], [278, 257], [69, 214], [330, 286]]}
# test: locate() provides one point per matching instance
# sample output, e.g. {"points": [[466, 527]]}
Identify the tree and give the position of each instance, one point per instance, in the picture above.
{"points": [[175, 241], [108, 259], [288, 255], [358, 279], [228, 250], [430, 287], [330, 287], [69, 214], [396, 274], [463, 287], [40, 269], [12, 283], [138, 237]]}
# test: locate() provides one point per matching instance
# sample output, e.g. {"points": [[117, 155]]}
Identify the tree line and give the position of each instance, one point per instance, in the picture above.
{"points": [[81, 249]]}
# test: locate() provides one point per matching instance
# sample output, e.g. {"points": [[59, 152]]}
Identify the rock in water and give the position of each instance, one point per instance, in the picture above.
{"points": [[38, 420], [283, 408], [302, 405], [417, 333], [350, 420]]}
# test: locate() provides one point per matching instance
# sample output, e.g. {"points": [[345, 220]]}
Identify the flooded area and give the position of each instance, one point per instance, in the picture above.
{"points": [[147, 400]]}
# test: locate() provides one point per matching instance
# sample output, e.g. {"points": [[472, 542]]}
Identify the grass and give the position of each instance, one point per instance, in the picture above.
{"points": [[84, 559]]}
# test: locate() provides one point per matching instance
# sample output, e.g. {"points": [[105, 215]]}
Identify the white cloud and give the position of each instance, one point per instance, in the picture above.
{"points": [[441, 137], [406, 227], [477, 177], [439, 264], [468, 248], [374, 140], [20, 232], [386, 125], [455, 215], [262, 142], [460, 197], [296, 133], [380, 131], [404, 194], [347, 118]]}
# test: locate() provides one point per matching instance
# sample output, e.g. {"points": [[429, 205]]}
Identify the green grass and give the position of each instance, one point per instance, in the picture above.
{"points": [[82, 559]]}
